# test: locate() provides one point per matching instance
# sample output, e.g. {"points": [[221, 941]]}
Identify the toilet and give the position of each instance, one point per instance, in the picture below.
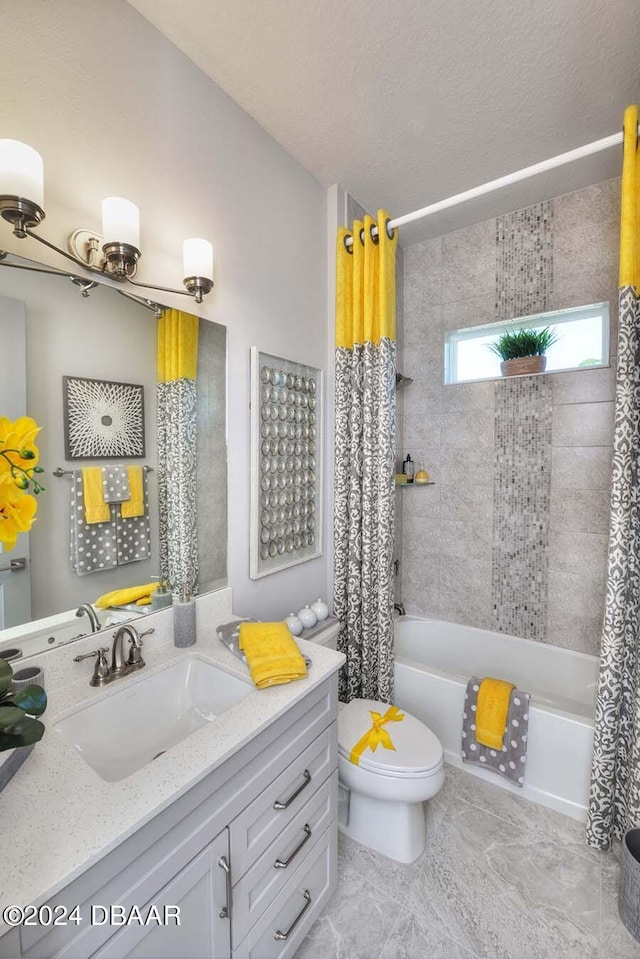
{"points": [[382, 796], [388, 787]]}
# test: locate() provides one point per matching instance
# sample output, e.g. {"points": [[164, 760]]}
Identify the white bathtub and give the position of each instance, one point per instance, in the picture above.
{"points": [[434, 660]]}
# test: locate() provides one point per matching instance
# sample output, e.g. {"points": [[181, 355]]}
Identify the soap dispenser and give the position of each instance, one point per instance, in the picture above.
{"points": [[161, 597], [184, 619]]}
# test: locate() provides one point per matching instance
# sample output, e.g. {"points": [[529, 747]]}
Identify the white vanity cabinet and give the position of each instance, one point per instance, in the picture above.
{"points": [[269, 813], [199, 890]]}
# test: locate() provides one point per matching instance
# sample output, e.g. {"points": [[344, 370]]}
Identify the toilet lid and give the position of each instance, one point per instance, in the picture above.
{"points": [[417, 750]]}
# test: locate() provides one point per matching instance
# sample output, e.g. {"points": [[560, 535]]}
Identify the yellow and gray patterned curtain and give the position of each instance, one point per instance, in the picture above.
{"points": [[177, 431], [614, 802], [364, 457]]}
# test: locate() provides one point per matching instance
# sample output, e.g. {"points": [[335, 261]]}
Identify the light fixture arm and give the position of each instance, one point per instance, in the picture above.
{"points": [[69, 256]]}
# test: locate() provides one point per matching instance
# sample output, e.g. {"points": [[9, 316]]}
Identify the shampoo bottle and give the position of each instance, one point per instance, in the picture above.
{"points": [[407, 468]]}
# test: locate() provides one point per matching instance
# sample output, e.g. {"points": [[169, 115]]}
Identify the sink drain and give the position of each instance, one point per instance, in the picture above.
{"points": [[158, 755]]}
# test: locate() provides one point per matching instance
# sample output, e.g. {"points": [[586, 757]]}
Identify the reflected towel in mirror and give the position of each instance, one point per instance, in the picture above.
{"points": [[98, 546], [92, 545], [115, 484]]}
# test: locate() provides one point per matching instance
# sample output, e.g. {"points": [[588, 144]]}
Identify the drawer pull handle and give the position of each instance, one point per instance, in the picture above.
{"points": [[287, 802], [285, 935], [225, 912], [283, 863]]}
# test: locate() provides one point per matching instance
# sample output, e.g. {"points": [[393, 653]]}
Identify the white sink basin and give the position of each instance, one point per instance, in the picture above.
{"points": [[145, 716]]}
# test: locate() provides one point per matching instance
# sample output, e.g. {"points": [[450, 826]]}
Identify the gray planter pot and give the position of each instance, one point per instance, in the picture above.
{"points": [[629, 891]]}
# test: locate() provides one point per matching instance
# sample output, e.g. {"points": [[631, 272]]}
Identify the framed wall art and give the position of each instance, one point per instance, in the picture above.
{"points": [[102, 419], [286, 463]]}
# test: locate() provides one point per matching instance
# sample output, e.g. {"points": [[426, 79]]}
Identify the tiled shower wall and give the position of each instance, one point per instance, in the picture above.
{"points": [[453, 539]]}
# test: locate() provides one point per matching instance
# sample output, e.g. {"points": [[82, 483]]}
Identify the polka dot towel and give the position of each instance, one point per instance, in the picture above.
{"points": [[510, 761]]}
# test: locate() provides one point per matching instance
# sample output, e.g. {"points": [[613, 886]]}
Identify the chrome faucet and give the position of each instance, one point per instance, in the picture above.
{"points": [[87, 610], [400, 608], [103, 673], [134, 659]]}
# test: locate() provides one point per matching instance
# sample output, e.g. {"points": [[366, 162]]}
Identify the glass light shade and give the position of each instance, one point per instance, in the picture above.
{"points": [[120, 221], [21, 171], [197, 258]]}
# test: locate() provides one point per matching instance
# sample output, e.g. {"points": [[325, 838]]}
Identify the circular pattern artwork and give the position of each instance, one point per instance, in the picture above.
{"points": [[103, 419], [287, 464]]}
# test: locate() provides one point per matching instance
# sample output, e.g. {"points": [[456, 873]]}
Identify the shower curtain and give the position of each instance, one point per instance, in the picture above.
{"points": [[614, 802], [364, 457], [177, 365]]}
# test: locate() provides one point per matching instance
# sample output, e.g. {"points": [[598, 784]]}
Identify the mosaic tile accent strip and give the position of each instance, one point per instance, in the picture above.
{"points": [[521, 505], [524, 261]]}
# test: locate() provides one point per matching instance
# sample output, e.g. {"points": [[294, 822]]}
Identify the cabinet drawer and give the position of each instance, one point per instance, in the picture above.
{"points": [[261, 884], [281, 929], [259, 824]]}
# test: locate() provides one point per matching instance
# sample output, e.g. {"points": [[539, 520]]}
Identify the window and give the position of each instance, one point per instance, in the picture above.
{"points": [[582, 341]]}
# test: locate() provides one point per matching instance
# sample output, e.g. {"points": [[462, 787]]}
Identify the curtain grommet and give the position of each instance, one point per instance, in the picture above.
{"points": [[390, 231], [374, 236], [361, 234], [348, 248]]}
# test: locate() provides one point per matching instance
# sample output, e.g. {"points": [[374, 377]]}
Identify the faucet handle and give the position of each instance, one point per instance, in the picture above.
{"points": [[101, 671], [96, 652], [147, 632]]}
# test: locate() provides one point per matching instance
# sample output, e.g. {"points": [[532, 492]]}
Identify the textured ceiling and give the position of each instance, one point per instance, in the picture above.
{"points": [[405, 102]]}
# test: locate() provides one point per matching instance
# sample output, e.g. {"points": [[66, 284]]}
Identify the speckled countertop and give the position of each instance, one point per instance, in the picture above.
{"points": [[59, 817]]}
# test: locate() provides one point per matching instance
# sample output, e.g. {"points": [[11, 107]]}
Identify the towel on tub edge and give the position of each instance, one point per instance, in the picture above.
{"points": [[510, 761]]}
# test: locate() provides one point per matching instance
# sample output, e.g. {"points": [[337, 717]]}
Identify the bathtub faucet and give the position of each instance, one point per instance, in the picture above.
{"points": [[400, 608]]}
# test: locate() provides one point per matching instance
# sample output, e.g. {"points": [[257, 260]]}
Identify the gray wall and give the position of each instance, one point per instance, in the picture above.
{"points": [[448, 529], [196, 165]]}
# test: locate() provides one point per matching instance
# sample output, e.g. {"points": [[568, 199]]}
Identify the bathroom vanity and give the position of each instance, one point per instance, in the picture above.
{"points": [[235, 826]]}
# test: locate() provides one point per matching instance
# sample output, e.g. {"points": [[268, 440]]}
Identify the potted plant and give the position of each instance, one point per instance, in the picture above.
{"points": [[523, 351], [19, 730]]}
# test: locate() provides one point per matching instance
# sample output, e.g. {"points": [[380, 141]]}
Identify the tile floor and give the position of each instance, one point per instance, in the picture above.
{"points": [[501, 878]]}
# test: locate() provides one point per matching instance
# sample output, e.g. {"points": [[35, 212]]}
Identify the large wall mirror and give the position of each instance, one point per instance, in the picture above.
{"points": [[50, 332]]}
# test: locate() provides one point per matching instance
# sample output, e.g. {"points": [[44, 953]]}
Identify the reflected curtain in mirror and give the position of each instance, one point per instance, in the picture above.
{"points": [[364, 458], [177, 449]]}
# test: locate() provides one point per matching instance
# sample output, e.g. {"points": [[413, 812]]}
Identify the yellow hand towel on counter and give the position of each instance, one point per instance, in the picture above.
{"points": [[134, 506], [95, 508], [492, 708], [271, 652], [120, 597]]}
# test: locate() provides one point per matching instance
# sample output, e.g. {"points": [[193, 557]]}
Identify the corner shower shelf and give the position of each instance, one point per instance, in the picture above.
{"points": [[402, 485]]}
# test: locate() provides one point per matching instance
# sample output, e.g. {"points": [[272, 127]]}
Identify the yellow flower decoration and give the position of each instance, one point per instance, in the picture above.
{"points": [[17, 514], [18, 470]]}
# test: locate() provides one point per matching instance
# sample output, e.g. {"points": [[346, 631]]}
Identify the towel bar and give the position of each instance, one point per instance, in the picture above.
{"points": [[58, 471]]}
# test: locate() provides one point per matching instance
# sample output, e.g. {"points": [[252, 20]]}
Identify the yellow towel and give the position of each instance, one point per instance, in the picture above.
{"points": [[492, 707], [95, 508], [272, 655], [134, 506], [120, 597]]}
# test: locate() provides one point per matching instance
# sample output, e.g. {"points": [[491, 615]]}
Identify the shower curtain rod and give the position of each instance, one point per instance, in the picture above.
{"points": [[578, 154]]}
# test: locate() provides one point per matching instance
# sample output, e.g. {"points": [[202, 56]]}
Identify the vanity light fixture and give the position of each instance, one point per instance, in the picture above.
{"points": [[116, 252]]}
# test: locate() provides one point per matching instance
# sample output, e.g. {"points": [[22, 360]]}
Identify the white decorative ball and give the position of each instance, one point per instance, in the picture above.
{"points": [[321, 609], [294, 624], [307, 617]]}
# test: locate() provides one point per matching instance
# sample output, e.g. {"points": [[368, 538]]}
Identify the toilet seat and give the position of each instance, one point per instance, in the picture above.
{"points": [[417, 753]]}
